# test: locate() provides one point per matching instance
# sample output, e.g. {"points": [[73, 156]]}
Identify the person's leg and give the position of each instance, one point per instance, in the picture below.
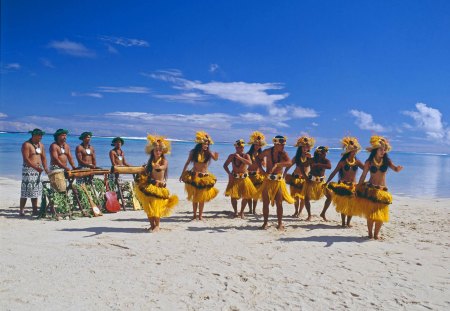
{"points": [[343, 220], [370, 228], [297, 206], [194, 210], [308, 208], [34, 202], [152, 223], [243, 203], [156, 229], [23, 201], [279, 203], [326, 205], [266, 202], [348, 221], [201, 205], [378, 225], [254, 202], [302, 206], [234, 204]]}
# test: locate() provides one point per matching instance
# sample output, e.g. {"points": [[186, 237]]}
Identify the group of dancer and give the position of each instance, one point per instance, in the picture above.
{"points": [[257, 175]]}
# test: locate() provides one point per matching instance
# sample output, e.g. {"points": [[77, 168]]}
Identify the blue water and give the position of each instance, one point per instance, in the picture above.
{"points": [[423, 174]]}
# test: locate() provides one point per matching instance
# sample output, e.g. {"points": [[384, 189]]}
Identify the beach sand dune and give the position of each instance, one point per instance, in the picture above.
{"points": [[112, 262]]}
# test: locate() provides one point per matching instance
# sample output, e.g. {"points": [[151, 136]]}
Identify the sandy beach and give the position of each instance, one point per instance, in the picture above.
{"points": [[220, 263]]}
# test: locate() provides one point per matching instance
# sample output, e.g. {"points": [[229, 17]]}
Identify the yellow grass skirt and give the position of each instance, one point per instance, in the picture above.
{"points": [[240, 188], [296, 186], [374, 201], [314, 190], [344, 198], [257, 181], [271, 187], [156, 201], [199, 189]]}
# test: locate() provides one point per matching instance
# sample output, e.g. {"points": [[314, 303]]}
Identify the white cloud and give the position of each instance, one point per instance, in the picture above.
{"points": [[13, 66], [430, 120], [124, 89], [365, 121], [300, 112], [47, 63], [71, 48], [112, 49], [95, 95], [213, 68], [188, 97], [126, 42], [3, 115], [315, 124]]}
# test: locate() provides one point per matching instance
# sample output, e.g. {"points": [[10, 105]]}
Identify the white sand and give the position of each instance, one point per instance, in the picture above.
{"points": [[111, 262]]}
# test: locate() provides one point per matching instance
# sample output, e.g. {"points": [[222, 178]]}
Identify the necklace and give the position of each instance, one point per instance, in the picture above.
{"points": [[303, 159], [377, 164], [352, 162], [157, 161], [201, 157], [62, 149]]}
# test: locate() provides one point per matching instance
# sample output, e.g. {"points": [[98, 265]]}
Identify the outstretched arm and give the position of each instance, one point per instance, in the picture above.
{"points": [[338, 167], [395, 168]]}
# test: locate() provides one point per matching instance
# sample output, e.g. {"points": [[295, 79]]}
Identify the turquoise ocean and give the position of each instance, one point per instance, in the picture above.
{"points": [[424, 174]]}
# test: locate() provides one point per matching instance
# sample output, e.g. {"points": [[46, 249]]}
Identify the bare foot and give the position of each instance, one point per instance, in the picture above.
{"points": [[242, 215], [200, 218], [295, 215], [309, 218], [370, 236], [343, 226], [349, 226], [265, 226], [194, 218], [156, 229], [323, 216], [22, 213], [379, 238], [280, 227], [235, 215]]}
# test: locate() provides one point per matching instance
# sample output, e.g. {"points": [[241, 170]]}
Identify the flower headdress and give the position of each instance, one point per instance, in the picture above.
{"points": [[378, 142], [321, 149], [239, 143], [350, 144], [305, 141], [257, 138], [279, 140], [202, 138], [155, 141]]}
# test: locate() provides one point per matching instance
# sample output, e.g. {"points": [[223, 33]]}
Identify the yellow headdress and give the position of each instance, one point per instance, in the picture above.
{"points": [[305, 141], [321, 149], [257, 138], [202, 138], [280, 140], [157, 141], [350, 144], [378, 142], [239, 143]]}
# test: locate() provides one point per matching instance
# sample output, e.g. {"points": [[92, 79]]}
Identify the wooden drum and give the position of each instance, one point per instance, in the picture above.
{"points": [[58, 180], [128, 169]]}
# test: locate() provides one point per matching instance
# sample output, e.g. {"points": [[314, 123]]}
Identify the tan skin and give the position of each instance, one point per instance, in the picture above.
{"points": [[273, 166], [84, 159], [158, 173], [378, 178], [116, 153], [240, 161], [37, 161], [299, 204], [318, 170], [199, 168], [254, 168], [57, 157], [347, 176]]}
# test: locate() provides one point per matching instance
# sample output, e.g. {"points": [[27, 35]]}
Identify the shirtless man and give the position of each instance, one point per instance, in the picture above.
{"points": [[315, 181], [34, 162], [60, 151], [198, 182], [85, 152], [116, 155], [274, 189], [239, 184]]}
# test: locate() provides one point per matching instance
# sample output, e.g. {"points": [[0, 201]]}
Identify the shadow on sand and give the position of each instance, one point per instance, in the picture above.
{"points": [[328, 240], [99, 230]]}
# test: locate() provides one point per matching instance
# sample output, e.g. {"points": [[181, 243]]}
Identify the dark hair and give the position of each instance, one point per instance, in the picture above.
{"points": [[298, 155], [197, 149], [252, 151], [149, 166], [386, 159]]}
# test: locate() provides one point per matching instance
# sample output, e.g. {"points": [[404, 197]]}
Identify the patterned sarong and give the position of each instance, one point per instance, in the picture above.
{"points": [[31, 183]]}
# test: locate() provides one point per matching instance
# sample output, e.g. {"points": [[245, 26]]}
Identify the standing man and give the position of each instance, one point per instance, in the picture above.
{"points": [[273, 189], [34, 162], [85, 153], [60, 151]]}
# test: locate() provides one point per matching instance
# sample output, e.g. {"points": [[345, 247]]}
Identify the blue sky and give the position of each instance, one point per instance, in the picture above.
{"points": [[325, 68]]}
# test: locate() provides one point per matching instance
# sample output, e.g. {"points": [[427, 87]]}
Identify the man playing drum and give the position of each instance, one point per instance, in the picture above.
{"points": [[60, 151]]}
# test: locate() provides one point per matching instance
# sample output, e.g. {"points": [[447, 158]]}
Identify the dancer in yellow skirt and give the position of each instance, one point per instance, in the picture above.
{"points": [[373, 196], [239, 184], [150, 187], [199, 183], [257, 141], [273, 189], [296, 180], [344, 191], [314, 188]]}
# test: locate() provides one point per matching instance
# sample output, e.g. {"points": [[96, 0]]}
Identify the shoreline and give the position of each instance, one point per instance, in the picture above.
{"points": [[224, 263]]}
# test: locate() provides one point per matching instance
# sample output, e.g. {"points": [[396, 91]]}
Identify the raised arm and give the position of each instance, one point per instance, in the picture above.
{"points": [[214, 155], [245, 159], [289, 167], [260, 159], [395, 168], [335, 171]]}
